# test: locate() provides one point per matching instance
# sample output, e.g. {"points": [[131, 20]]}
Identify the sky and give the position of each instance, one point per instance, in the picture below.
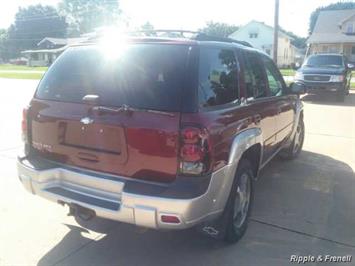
{"points": [[193, 14]]}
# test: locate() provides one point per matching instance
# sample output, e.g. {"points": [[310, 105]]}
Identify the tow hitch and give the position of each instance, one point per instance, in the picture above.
{"points": [[79, 211]]}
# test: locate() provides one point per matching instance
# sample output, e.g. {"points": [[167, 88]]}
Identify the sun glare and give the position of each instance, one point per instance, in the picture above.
{"points": [[113, 44]]}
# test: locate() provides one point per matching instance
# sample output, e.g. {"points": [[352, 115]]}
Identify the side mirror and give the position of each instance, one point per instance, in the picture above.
{"points": [[351, 66], [297, 88]]}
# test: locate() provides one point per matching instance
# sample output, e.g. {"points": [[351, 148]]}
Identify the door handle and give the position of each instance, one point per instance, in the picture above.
{"points": [[257, 119]]}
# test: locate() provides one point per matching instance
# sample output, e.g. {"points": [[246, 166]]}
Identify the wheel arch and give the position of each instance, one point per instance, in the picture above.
{"points": [[247, 144]]}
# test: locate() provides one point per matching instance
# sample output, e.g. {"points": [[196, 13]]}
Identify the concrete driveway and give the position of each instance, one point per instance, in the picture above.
{"points": [[303, 207]]}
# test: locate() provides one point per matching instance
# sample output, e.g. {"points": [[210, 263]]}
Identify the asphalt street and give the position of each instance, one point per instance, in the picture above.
{"points": [[302, 207]]}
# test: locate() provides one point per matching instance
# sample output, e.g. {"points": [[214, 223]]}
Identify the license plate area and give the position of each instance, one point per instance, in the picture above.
{"points": [[94, 137]]}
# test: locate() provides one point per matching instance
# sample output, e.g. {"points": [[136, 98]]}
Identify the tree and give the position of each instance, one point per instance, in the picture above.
{"points": [[336, 6], [147, 26], [85, 15], [297, 41], [32, 24], [3, 50], [219, 29]]}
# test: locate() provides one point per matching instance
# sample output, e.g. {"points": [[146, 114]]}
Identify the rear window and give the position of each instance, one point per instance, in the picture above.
{"points": [[146, 76], [324, 60], [218, 77]]}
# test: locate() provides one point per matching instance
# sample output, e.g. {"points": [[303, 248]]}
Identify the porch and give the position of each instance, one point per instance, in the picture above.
{"points": [[44, 57], [348, 49]]}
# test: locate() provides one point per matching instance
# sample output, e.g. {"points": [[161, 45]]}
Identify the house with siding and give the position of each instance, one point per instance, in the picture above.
{"points": [[48, 50], [334, 32], [261, 36]]}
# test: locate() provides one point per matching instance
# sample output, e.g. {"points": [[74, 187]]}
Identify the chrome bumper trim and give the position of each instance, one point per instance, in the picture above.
{"points": [[93, 192]]}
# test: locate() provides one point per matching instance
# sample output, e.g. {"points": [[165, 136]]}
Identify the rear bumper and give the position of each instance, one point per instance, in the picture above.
{"points": [[119, 199]]}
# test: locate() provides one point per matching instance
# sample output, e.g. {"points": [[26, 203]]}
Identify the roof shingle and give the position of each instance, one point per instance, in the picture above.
{"points": [[327, 28]]}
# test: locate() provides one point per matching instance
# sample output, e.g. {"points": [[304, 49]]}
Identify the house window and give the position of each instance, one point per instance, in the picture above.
{"points": [[353, 50], [34, 56], [253, 35], [350, 28]]}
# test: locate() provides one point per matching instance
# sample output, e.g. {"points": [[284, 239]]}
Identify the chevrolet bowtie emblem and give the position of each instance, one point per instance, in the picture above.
{"points": [[87, 120]]}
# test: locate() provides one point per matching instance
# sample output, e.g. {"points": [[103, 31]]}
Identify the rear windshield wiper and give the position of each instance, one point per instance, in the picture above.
{"points": [[103, 109], [124, 108]]}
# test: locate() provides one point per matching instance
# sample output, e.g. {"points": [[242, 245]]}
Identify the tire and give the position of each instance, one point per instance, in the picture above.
{"points": [[295, 148], [340, 97], [235, 219]]}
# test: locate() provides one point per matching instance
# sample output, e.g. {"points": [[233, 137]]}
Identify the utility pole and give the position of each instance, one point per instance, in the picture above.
{"points": [[276, 30]]}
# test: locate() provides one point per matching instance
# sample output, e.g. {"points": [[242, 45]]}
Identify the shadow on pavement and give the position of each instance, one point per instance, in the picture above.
{"points": [[312, 194], [329, 99]]}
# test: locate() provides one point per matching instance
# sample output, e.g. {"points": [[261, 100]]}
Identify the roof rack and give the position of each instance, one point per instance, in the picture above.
{"points": [[178, 33], [205, 37], [193, 35]]}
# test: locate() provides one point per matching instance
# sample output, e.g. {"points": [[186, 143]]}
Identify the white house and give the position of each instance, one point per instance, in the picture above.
{"points": [[48, 50], [334, 32], [261, 36]]}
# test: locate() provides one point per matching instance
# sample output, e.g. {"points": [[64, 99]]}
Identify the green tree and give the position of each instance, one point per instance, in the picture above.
{"points": [[297, 41], [147, 26], [31, 25], [219, 29], [3, 50], [85, 15], [336, 6]]}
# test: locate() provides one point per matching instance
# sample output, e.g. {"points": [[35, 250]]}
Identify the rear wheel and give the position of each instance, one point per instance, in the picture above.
{"points": [[236, 214], [297, 143]]}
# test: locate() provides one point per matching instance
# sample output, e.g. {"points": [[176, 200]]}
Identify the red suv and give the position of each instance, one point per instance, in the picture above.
{"points": [[166, 133]]}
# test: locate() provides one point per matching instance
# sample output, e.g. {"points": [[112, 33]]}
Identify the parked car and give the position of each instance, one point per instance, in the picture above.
{"points": [[18, 61], [326, 72], [165, 133]]}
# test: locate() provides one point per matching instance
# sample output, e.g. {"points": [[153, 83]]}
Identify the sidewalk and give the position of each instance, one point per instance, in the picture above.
{"points": [[23, 71]]}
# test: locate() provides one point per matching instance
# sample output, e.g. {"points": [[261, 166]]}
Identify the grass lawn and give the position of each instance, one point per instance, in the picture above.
{"points": [[287, 72], [15, 75], [22, 68]]}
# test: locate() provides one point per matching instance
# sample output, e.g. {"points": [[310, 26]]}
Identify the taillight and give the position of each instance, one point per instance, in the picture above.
{"points": [[194, 151], [24, 128]]}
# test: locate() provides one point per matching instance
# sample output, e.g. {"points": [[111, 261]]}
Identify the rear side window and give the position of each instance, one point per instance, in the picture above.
{"points": [[147, 76], [218, 77], [275, 80], [254, 75]]}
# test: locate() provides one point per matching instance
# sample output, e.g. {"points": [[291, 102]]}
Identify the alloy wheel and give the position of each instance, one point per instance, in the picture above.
{"points": [[242, 201]]}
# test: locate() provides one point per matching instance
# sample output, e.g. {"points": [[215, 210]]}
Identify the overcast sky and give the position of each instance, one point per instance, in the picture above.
{"points": [[192, 14]]}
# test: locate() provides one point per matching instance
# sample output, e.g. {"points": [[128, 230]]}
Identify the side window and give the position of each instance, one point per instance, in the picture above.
{"points": [[253, 75], [218, 77], [275, 80]]}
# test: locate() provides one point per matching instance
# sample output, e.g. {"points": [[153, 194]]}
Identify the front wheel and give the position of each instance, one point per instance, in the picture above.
{"points": [[236, 214], [340, 96]]}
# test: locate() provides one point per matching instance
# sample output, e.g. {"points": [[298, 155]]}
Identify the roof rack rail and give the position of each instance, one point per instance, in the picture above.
{"points": [[205, 37], [193, 35], [196, 35]]}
